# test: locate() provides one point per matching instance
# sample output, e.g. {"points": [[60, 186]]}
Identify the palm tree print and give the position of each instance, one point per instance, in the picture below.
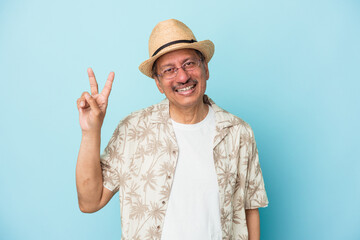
{"points": [[138, 210], [140, 160]]}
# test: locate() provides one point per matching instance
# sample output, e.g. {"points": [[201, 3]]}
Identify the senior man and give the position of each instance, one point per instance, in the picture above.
{"points": [[184, 168]]}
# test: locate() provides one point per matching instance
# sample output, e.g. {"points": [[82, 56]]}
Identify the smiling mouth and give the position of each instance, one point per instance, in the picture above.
{"points": [[186, 88]]}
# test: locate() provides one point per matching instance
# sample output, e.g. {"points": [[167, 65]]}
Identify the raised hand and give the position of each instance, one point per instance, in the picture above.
{"points": [[92, 108]]}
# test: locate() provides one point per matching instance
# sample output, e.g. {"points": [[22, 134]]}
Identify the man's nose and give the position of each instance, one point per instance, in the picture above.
{"points": [[182, 76]]}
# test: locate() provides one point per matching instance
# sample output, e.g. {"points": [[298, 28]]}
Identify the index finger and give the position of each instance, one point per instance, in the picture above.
{"points": [[107, 88], [93, 83]]}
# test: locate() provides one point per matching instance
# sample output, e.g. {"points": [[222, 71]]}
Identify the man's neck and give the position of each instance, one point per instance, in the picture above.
{"points": [[189, 115]]}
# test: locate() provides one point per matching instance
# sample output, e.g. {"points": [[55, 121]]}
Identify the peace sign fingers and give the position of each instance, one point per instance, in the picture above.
{"points": [[93, 83], [107, 88]]}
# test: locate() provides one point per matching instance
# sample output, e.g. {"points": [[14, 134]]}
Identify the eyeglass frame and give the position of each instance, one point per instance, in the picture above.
{"points": [[176, 69]]}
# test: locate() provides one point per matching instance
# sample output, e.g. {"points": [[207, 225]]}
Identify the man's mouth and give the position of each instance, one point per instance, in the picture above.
{"points": [[186, 88]]}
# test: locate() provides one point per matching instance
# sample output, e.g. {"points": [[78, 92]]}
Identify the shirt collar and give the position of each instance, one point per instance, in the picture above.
{"points": [[160, 114]]}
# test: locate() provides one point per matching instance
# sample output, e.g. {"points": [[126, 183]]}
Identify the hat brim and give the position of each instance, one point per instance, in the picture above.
{"points": [[206, 47]]}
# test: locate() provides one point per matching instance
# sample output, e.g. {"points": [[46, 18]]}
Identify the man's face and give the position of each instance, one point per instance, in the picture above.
{"points": [[186, 90]]}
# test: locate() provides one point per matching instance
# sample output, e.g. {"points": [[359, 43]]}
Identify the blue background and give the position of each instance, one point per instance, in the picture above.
{"points": [[289, 68]]}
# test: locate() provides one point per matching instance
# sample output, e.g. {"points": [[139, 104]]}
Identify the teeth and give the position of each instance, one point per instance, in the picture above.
{"points": [[185, 89]]}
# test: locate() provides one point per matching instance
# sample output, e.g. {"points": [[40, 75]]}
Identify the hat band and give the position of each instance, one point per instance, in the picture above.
{"points": [[172, 43]]}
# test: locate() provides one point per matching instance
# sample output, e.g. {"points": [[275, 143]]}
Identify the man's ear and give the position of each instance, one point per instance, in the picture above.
{"points": [[158, 84], [206, 70]]}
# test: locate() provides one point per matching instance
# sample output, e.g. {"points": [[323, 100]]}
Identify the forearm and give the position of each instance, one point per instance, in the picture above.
{"points": [[88, 172], [253, 223]]}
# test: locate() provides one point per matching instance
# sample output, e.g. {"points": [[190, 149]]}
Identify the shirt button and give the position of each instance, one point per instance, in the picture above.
{"points": [[163, 202], [174, 151], [158, 227], [169, 177]]}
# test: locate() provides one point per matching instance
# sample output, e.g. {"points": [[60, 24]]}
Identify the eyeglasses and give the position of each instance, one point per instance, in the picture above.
{"points": [[188, 66]]}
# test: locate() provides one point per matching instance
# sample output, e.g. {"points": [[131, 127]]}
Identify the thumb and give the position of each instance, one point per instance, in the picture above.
{"points": [[93, 104]]}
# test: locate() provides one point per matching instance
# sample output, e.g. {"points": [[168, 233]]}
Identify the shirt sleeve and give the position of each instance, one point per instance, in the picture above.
{"points": [[255, 194], [109, 161]]}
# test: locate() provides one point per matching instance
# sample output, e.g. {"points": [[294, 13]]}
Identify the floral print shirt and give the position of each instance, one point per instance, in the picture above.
{"points": [[139, 162]]}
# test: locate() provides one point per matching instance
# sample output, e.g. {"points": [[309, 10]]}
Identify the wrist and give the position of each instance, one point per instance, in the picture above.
{"points": [[94, 134]]}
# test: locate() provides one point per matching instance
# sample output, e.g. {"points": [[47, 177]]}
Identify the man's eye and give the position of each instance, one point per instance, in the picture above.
{"points": [[168, 70], [189, 64]]}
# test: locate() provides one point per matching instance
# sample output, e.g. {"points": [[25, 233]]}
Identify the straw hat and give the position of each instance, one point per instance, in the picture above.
{"points": [[171, 35]]}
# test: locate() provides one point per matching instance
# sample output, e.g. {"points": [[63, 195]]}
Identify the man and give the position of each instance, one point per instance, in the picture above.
{"points": [[184, 168]]}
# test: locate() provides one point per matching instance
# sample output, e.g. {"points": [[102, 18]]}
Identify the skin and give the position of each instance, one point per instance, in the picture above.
{"points": [[92, 196], [185, 107], [253, 223]]}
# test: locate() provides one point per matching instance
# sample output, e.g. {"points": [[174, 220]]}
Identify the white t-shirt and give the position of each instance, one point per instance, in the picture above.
{"points": [[193, 211]]}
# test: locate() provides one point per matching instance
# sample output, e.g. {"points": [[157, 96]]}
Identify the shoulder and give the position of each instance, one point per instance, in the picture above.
{"points": [[224, 116], [151, 114], [225, 119]]}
